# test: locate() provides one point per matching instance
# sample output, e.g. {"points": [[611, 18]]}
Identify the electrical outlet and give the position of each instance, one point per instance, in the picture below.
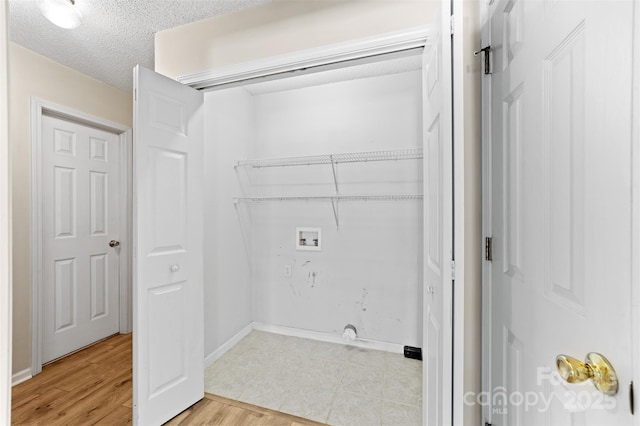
{"points": [[287, 271]]}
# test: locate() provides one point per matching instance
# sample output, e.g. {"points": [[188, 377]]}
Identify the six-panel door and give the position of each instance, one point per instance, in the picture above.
{"points": [[80, 180], [168, 326]]}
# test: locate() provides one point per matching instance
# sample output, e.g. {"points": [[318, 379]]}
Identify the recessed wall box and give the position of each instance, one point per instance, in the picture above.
{"points": [[308, 239]]}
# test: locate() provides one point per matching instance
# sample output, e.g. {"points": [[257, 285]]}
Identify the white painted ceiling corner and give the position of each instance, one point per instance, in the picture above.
{"points": [[114, 36]]}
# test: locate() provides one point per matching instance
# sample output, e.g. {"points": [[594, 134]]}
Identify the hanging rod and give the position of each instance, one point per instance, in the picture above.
{"points": [[386, 197], [353, 157]]}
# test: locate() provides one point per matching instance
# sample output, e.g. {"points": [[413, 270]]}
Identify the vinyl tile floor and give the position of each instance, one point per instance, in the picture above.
{"points": [[326, 382]]}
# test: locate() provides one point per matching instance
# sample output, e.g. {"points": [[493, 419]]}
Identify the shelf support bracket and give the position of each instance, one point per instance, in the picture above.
{"points": [[334, 205], [334, 202], [333, 169]]}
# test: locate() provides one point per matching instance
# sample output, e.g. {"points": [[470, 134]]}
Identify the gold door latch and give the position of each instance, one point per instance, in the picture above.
{"points": [[595, 367]]}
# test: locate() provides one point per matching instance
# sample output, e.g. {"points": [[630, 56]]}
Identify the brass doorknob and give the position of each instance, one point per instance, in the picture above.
{"points": [[114, 243], [595, 367]]}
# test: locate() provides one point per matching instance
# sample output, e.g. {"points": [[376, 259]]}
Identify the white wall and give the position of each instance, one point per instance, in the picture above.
{"points": [[5, 227], [227, 246], [470, 71], [33, 75], [278, 27], [369, 272]]}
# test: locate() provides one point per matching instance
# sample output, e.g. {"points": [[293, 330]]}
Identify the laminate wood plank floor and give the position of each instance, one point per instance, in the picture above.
{"points": [[217, 410], [91, 386], [94, 387]]}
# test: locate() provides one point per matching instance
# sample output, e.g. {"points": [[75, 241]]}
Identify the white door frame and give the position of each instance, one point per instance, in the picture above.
{"points": [[5, 226], [39, 108], [635, 202], [458, 86], [485, 25], [326, 57], [485, 29]]}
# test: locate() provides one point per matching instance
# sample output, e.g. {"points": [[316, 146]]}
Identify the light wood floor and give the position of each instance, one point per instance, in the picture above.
{"points": [[93, 386], [216, 410], [90, 386]]}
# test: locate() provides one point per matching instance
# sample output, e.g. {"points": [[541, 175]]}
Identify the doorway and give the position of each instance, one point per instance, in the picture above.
{"points": [[287, 138], [162, 106], [81, 220]]}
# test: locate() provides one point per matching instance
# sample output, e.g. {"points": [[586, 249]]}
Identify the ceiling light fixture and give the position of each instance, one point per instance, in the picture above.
{"points": [[62, 13]]}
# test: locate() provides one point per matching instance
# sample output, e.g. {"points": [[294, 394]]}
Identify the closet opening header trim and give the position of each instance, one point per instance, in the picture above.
{"points": [[390, 46]]}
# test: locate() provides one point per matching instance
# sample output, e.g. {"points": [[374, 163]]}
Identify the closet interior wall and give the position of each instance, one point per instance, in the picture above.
{"points": [[369, 271]]}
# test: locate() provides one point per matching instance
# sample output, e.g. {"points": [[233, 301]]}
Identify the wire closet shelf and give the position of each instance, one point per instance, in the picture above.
{"points": [[333, 160], [352, 157], [367, 197]]}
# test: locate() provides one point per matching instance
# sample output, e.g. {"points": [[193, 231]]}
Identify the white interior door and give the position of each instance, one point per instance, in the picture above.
{"points": [[168, 320], [80, 294], [438, 222], [561, 207]]}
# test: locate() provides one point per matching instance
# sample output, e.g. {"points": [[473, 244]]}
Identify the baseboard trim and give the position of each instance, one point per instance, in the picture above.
{"points": [[329, 337], [21, 376], [298, 332], [213, 356]]}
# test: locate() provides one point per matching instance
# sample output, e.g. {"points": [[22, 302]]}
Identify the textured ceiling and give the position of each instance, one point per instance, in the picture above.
{"points": [[114, 36]]}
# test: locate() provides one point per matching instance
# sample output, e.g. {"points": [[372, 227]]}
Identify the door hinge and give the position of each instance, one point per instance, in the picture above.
{"points": [[631, 399], [488, 249], [451, 24], [487, 424], [453, 270], [487, 58]]}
